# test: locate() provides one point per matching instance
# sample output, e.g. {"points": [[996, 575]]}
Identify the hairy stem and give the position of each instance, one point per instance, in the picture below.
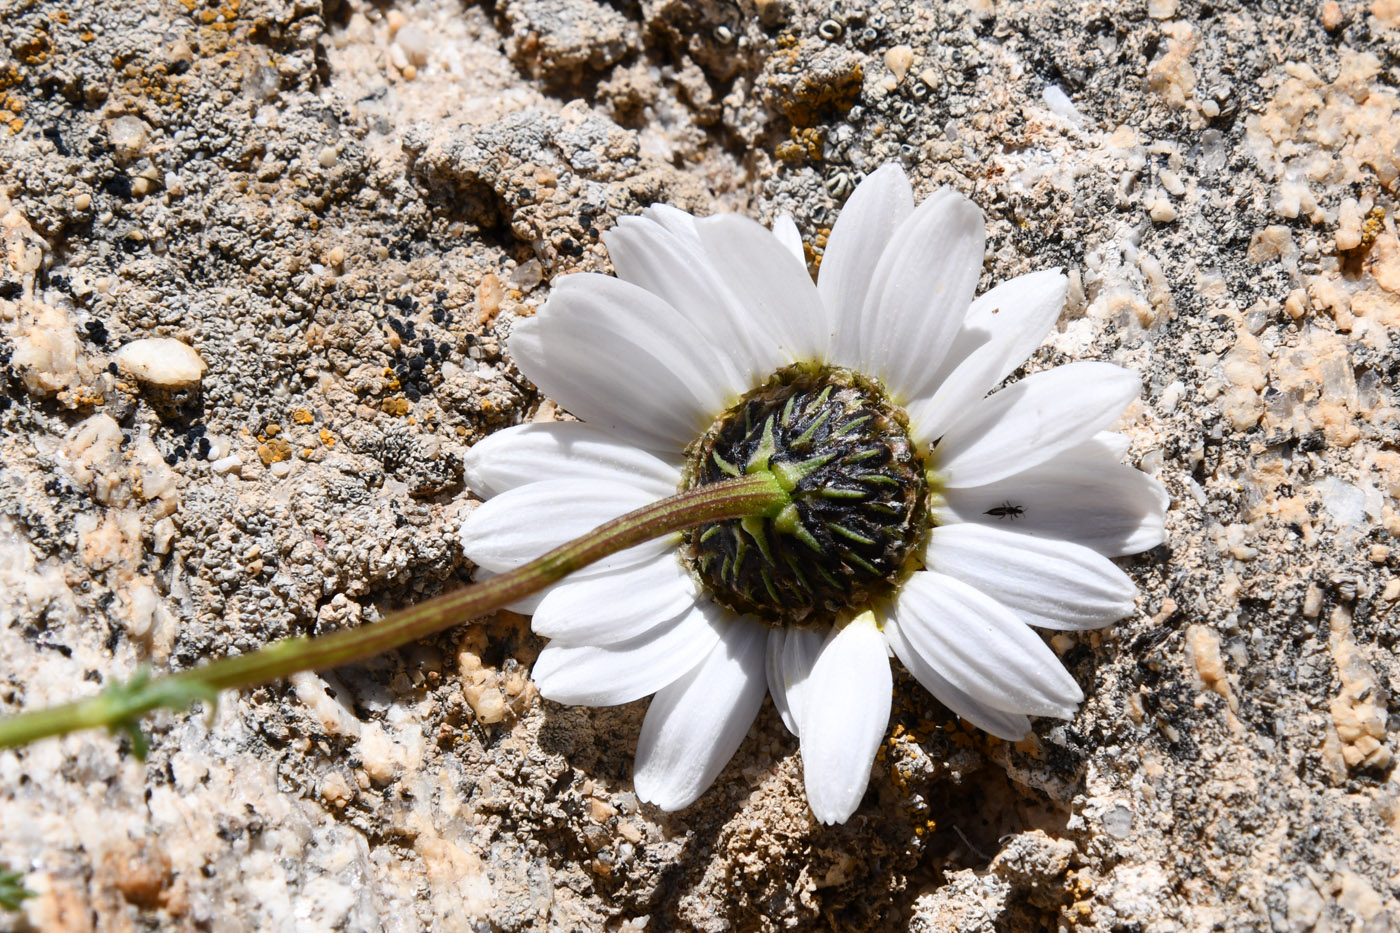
{"points": [[118, 707]]}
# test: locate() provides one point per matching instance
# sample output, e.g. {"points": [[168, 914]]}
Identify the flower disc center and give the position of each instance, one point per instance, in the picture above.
{"points": [[859, 496]]}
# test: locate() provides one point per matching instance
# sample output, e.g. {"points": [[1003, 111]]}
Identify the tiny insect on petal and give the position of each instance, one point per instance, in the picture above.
{"points": [[1006, 510]]}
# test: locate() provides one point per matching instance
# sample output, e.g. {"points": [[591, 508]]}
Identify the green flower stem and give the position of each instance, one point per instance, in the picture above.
{"points": [[118, 707]]}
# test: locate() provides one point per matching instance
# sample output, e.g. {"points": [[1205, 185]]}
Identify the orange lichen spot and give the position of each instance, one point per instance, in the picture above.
{"points": [[326, 438], [86, 36], [789, 151], [273, 430], [813, 97], [806, 143], [1371, 227], [81, 397], [15, 125], [302, 416], [34, 50], [398, 407], [274, 451], [207, 16]]}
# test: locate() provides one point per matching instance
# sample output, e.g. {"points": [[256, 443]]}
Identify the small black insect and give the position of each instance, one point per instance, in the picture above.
{"points": [[1007, 510]]}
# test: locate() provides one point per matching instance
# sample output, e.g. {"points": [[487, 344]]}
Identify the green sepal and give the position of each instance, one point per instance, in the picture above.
{"points": [[12, 889]]}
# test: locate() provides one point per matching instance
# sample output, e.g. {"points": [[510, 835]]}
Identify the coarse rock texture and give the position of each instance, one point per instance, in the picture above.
{"points": [[340, 208]]}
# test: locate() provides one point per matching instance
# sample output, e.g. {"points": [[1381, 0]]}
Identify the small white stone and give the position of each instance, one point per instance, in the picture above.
{"points": [[398, 56], [128, 135], [1312, 601], [1171, 397], [162, 361], [163, 535], [898, 60], [527, 275], [227, 464], [377, 753], [141, 601], [93, 448], [1348, 224], [1161, 211], [414, 41], [1059, 103], [1344, 502]]}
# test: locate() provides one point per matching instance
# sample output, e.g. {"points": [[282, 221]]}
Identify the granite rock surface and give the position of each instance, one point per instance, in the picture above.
{"points": [[259, 258]]}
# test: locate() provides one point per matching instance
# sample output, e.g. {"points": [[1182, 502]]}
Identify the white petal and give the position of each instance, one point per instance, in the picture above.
{"points": [[775, 288], [622, 359], [920, 292], [1053, 584], [791, 654], [981, 648], [845, 712], [694, 726], [1007, 323], [1081, 496], [660, 330], [675, 221], [531, 453], [1010, 726], [607, 608], [1032, 421], [525, 606], [773, 673], [929, 418], [1113, 445], [863, 229], [661, 252], [526, 522], [607, 675], [785, 229]]}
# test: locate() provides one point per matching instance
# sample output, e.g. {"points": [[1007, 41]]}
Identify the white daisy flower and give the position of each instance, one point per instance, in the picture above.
{"points": [[926, 520]]}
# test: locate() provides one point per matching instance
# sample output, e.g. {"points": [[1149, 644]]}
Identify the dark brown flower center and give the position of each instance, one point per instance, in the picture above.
{"points": [[859, 499]]}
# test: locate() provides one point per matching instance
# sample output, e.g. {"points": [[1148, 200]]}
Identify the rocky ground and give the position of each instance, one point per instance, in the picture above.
{"points": [[342, 207]]}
